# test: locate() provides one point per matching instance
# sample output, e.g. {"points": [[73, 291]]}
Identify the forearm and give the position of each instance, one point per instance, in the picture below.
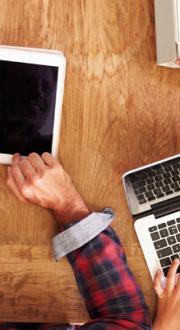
{"points": [[106, 283]]}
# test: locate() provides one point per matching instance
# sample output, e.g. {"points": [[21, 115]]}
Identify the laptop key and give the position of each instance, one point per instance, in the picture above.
{"points": [[167, 181], [177, 189], [168, 167], [162, 225], [169, 192], [174, 185], [151, 229], [164, 233], [151, 198], [173, 230], [164, 252], [158, 178], [160, 171], [155, 236], [166, 176], [140, 197], [150, 186], [157, 191], [149, 194], [160, 196], [160, 244], [178, 237], [175, 172], [176, 165], [165, 262], [150, 180], [171, 240], [159, 184], [171, 222], [166, 188], [176, 248], [176, 178], [142, 201], [178, 220]]}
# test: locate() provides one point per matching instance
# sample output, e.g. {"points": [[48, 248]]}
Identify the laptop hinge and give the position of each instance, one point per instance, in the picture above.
{"points": [[161, 209], [167, 207]]}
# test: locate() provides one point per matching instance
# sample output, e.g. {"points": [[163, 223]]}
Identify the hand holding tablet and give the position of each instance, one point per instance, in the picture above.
{"points": [[44, 182]]}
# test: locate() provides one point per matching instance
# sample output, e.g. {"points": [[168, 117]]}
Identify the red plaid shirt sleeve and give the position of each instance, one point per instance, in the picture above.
{"points": [[113, 298]]}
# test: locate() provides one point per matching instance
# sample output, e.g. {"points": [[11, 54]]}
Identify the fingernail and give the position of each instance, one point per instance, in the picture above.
{"points": [[176, 261]]}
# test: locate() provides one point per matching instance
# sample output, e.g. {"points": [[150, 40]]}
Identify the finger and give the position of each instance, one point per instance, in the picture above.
{"points": [[178, 62], [178, 280], [49, 159], [17, 176], [12, 186], [27, 169], [16, 159], [171, 276], [158, 279], [37, 162]]}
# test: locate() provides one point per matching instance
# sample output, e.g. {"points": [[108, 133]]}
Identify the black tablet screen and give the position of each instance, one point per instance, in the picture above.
{"points": [[27, 104]]}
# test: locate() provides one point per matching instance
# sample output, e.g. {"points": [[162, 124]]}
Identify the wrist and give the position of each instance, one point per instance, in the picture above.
{"points": [[73, 212]]}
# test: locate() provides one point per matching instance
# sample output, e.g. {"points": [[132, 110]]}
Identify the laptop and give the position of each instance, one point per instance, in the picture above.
{"points": [[153, 196]]}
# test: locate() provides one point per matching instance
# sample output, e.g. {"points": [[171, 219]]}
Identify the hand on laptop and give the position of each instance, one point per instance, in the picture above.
{"points": [[44, 182], [168, 308]]}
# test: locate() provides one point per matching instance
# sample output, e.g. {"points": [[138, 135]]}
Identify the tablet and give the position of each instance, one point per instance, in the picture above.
{"points": [[31, 94]]}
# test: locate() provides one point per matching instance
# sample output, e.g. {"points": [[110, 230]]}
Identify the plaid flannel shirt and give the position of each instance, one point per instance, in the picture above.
{"points": [[113, 298]]}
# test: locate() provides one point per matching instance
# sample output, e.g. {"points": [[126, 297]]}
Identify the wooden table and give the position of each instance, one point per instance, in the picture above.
{"points": [[120, 111]]}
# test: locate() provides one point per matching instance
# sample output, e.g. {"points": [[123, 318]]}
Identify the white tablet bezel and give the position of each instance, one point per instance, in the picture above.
{"points": [[44, 57]]}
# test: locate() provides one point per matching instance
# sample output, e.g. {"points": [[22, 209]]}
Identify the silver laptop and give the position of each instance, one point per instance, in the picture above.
{"points": [[153, 195]]}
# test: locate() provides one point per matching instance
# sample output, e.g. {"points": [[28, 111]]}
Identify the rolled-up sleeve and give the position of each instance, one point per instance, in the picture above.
{"points": [[113, 298], [80, 233]]}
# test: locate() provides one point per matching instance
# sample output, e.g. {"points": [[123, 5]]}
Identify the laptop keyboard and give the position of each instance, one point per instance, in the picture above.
{"points": [[166, 240], [157, 181]]}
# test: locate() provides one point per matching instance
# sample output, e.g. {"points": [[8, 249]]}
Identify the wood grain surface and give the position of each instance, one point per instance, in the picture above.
{"points": [[120, 111]]}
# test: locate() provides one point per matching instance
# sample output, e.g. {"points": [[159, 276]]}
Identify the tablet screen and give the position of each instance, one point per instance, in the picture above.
{"points": [[27, 106]]}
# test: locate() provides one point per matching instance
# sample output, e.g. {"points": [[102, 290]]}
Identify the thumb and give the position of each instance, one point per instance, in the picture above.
{"points": [[158, 283]]}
